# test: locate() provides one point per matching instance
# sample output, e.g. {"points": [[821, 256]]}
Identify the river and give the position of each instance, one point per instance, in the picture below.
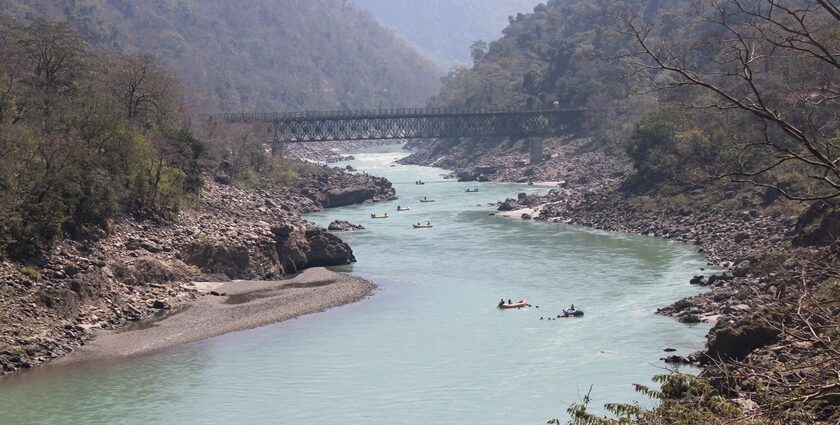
{"points": [[430, 347]]}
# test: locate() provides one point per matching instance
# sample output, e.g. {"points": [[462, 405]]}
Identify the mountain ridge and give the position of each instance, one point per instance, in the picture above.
{"points": [[273, 54]]}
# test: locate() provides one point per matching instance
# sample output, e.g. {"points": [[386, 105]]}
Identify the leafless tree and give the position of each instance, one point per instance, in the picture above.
{"points": [[776, 62], [55, 52], [147, 90]]}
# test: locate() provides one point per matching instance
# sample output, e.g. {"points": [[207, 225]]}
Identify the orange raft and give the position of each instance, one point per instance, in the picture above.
{"points": [[518, 304]]}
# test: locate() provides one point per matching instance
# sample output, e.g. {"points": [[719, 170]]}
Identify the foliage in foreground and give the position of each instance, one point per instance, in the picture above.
{"points": [[685, 399], [87, 135], [793, 381]]}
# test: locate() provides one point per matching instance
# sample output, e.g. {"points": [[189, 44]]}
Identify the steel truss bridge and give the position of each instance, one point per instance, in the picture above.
{"points": [[323, 126]]}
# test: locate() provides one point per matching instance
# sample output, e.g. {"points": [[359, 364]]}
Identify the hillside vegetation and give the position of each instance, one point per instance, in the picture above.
{"points": [[84, 135], [686, 105], [257, 55], [88, 136]]}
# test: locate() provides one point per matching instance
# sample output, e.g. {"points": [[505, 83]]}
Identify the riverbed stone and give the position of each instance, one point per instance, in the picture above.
{"points": [[343, 226]]}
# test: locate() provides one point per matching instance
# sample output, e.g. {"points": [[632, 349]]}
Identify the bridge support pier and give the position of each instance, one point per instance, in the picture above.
{"points": [[535, 147], [277, 148], [277, 145]]}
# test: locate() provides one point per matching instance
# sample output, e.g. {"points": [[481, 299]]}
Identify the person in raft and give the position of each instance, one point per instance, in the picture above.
{"points": [[573, 307], [501, 302], [509, 301]]}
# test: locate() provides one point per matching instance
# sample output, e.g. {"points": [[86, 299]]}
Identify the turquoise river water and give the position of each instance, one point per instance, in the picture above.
{"points": [[430, 347]]}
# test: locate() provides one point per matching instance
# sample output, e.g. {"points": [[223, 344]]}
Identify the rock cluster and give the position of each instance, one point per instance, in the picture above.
{"points": [[328, 152], [337, 188], [478, 162], [343, 226]]}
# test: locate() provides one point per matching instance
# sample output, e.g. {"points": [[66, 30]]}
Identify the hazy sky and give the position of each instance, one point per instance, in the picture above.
{"points": [[444, 29]]}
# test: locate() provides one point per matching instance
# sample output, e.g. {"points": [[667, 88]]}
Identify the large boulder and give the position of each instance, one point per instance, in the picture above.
{"points": [[326, 249], [349, 189], [819, 225], [532, 200], [737, 340], [348, 196], [344, 226], [466, 176], [231, 261], [508, 205], [310, 247]]}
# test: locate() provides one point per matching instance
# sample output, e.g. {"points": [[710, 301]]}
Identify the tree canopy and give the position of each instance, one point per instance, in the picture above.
{"points": [[84, 136]]}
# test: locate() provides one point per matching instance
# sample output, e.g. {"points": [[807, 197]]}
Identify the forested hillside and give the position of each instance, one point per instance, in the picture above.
{"points": [[256, 55], [447, 28], [685, 88], [559, 52]]}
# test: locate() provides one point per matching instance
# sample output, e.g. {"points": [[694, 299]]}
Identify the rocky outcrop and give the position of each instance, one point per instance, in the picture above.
{"points": [[343, 226], [329, 152], [141, 267], [509, 204], [337, 189], [734, 340], [348, 196], [230, 261], [324, 249], [819, 225]]}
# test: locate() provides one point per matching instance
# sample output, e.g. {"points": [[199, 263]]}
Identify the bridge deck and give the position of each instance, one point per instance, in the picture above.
{"points": [[319, 126]]}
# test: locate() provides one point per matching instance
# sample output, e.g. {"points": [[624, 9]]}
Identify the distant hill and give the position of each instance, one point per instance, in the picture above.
{"points": [[446, 28], [259, 54]]}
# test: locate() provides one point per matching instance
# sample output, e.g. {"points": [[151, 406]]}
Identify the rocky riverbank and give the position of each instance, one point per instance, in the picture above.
{"points": [[575, 161], [328, 152], [770, 285], [752, 254], [765, 254], [141, 266]]}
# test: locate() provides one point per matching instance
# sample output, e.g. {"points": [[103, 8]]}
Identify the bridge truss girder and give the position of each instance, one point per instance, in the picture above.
{"points": [[411, 124]]}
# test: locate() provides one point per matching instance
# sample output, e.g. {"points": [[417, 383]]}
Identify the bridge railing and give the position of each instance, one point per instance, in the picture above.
{"points": [[377, 113]]}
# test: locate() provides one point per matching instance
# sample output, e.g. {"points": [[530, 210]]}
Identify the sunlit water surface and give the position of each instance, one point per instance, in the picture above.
{"points": [[430, 347]]}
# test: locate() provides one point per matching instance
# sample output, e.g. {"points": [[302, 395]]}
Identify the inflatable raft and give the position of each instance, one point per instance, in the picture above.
{"points": [[517, 304], [572, 312]]}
